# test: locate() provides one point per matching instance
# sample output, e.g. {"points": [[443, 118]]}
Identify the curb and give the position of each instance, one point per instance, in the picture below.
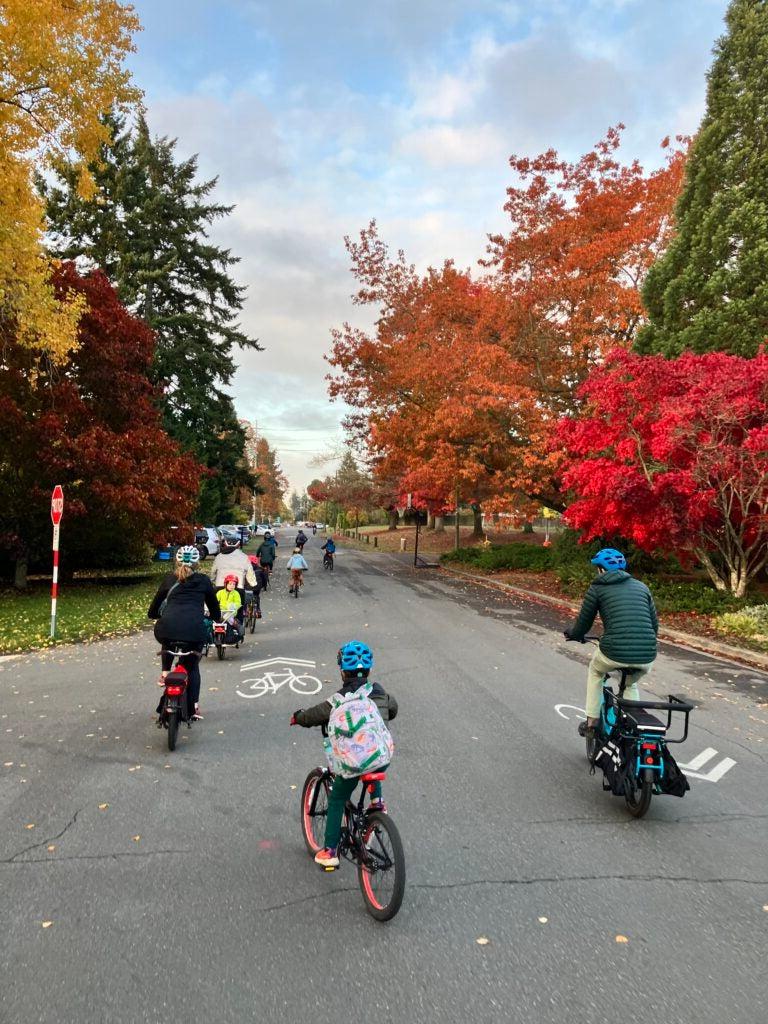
{"points": [[713, 648]]}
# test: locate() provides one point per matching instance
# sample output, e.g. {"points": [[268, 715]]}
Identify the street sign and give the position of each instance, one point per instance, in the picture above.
{"points": [[57, 511], [57, 505]]}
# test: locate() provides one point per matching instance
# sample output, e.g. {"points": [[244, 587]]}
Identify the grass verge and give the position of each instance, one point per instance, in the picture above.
{"points": [[88, 607]]}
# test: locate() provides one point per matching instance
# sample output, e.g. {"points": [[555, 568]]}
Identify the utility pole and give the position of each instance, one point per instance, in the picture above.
{"points": [[457, 543]]}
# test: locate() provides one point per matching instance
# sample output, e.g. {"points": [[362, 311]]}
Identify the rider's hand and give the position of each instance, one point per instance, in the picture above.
{"points": [[293, 716]]}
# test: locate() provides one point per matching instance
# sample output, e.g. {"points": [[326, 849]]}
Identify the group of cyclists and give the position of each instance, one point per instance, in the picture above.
{"points": [[188, 599]]}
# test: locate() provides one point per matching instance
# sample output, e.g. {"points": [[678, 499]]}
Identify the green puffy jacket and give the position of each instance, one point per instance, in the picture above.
{"points": [[628, 614]]}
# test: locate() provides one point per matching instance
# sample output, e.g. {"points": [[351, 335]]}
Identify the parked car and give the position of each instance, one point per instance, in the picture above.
{"points": [[207, 541]]}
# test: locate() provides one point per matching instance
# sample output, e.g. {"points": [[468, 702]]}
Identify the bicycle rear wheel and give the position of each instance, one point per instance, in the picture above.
{"points": [[381, 871], [314, 809], [173, 728], [638, 793]]}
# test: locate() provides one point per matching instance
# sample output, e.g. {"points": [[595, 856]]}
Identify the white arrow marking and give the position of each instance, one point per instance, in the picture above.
{"points": [[700, 760], [581, 712], [278, 661]]}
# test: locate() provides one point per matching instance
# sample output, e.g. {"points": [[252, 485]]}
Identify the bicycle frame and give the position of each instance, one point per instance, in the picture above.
{"points": [[351, 846]]}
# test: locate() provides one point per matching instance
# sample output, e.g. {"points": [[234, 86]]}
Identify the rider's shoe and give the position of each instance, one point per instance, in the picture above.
{"points": [[378, 805], [197, 717], [327, 858], [586, 728]]}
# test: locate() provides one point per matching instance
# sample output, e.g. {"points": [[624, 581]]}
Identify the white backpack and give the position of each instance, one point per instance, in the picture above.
{"points": [[358, 740]]}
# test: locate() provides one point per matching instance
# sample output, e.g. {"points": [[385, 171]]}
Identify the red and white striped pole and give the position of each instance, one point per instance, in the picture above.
{"points": [[57, 511]]}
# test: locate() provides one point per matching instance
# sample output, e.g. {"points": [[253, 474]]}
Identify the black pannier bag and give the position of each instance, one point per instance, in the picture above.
{"points": [[673, 781], [613, 760]]}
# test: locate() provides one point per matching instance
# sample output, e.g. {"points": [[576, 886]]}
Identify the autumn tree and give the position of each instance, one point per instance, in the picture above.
{"points": [[673, 454], [709, 290], [457, 391], [63, 67], [147, 224], [91, 424], [270, 479]]}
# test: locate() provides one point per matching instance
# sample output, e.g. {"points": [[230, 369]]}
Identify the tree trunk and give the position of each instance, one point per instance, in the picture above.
{"points": [[394, 519], [439, 524], [430, 521], [20, 575], [717, 581], [477, 530]]}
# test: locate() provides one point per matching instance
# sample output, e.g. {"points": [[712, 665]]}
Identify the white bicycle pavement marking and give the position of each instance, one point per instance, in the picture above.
{"points": [[691, 769], [303, 684]]}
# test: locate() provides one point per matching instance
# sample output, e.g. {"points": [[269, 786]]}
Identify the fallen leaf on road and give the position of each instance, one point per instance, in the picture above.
{"points": [[51, 848], [622, 938], [103, 807], [293, 787], [765, 906], [543, 920], [29, 826], [136, 838], [482, 941], [8, 764], [46, 924], [220, 732], [213, 689]]}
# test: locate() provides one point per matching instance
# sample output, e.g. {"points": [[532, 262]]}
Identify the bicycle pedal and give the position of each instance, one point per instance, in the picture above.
{"points": [[328, 870]]}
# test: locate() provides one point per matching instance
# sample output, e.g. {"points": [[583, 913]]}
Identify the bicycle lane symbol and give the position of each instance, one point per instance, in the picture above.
{"points": [[693, 768], [275, 673]]}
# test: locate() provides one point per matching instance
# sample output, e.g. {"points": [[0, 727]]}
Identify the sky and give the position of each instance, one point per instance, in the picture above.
{"points": [[320, 115]]}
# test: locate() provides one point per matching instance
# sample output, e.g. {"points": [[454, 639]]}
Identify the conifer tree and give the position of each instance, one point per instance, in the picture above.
{"points": [[709, 291], [147, 226]]}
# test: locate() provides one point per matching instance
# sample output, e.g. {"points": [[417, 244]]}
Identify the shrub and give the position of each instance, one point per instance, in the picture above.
{"points": [[751, 622], [504, 556], [691, 597]]}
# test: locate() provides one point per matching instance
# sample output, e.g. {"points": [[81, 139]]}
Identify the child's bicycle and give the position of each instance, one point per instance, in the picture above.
{"points": [[627, 730], [369, 838], [328, 560], [251, 612]]}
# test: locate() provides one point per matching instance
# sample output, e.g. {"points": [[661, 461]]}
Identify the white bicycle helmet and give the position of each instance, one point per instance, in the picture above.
{"points": [[188, 555]]}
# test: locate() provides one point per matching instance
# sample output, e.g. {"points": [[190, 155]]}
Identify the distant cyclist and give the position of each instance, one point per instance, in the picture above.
{"points": [[267, 552], [179, 607], [232, 561], [301, 540], [297, 565], [630, 628], [330, 550]]}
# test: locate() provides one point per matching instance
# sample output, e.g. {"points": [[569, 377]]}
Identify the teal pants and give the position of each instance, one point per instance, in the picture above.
{"points": [[341, 791]]}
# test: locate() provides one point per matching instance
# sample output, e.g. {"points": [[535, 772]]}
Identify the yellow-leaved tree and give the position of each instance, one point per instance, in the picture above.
{"points": [[62, 67]]}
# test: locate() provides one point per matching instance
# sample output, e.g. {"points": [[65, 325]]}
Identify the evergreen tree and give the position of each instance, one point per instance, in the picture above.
{"points": [[709, 291], [146, 226]]}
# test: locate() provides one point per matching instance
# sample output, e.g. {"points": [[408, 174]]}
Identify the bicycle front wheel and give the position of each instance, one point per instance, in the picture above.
{"points": [[314, 809], [381, 869]]}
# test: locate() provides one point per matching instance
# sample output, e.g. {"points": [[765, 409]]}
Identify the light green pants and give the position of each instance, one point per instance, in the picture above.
{"points": [[598, 666]]}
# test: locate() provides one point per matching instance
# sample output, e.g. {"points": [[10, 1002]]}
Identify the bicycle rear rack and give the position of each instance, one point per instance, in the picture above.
{"points": [[671, 705]]}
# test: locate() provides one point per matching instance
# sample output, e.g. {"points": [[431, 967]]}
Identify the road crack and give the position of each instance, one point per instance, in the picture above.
{"points": [[44, 842]]}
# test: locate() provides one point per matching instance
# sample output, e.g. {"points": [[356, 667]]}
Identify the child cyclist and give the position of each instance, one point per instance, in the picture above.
{"points": [[230, 603], [355, 660], [297, 564]]}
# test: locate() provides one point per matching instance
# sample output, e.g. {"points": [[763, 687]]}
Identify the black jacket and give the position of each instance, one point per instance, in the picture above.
{"points": [[628, 614], [183, 618], [319, 714]]}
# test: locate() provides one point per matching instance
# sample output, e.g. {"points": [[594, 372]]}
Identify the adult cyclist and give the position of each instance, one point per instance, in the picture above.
{"points": [[232, 561], [267, 552], [179, 607], [630, 628], [301, 540]]}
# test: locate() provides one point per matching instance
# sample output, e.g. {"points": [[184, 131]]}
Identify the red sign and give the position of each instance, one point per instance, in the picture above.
{"points": [[57, 505]]}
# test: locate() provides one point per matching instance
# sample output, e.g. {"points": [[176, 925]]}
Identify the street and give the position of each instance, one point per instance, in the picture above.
{"points": [[177, 885]]}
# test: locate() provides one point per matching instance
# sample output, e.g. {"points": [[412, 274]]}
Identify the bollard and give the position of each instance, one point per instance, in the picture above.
{"points": [[402, 543], [367, 538], [375, 542]]}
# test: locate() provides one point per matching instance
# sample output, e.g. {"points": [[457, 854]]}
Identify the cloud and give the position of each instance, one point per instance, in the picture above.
{"points": [[447, 145]]}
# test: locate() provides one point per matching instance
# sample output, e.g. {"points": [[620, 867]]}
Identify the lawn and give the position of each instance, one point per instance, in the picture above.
{"points": [[89, 607]]}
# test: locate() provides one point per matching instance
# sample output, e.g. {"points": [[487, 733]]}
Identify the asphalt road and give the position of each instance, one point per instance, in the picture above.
{"points": [[178, 886]]}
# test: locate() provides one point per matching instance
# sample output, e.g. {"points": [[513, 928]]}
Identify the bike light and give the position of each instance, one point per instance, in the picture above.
{"points": [[174, 690], [649, 760]]}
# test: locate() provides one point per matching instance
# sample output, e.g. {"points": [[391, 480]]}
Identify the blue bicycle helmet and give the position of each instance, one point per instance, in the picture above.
{"points": [[610, 558], [355, 657]]}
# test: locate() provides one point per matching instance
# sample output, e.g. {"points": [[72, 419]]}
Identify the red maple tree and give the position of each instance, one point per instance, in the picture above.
{"points": [[91, 424], [674, 455]]}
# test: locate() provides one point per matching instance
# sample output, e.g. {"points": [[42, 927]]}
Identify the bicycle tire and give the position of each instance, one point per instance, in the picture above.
{"points": [[173, 729], [220, 651], [638, 798], [314, 834], [380, 906], [591, 744], [308, 688], [252, 620]]}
